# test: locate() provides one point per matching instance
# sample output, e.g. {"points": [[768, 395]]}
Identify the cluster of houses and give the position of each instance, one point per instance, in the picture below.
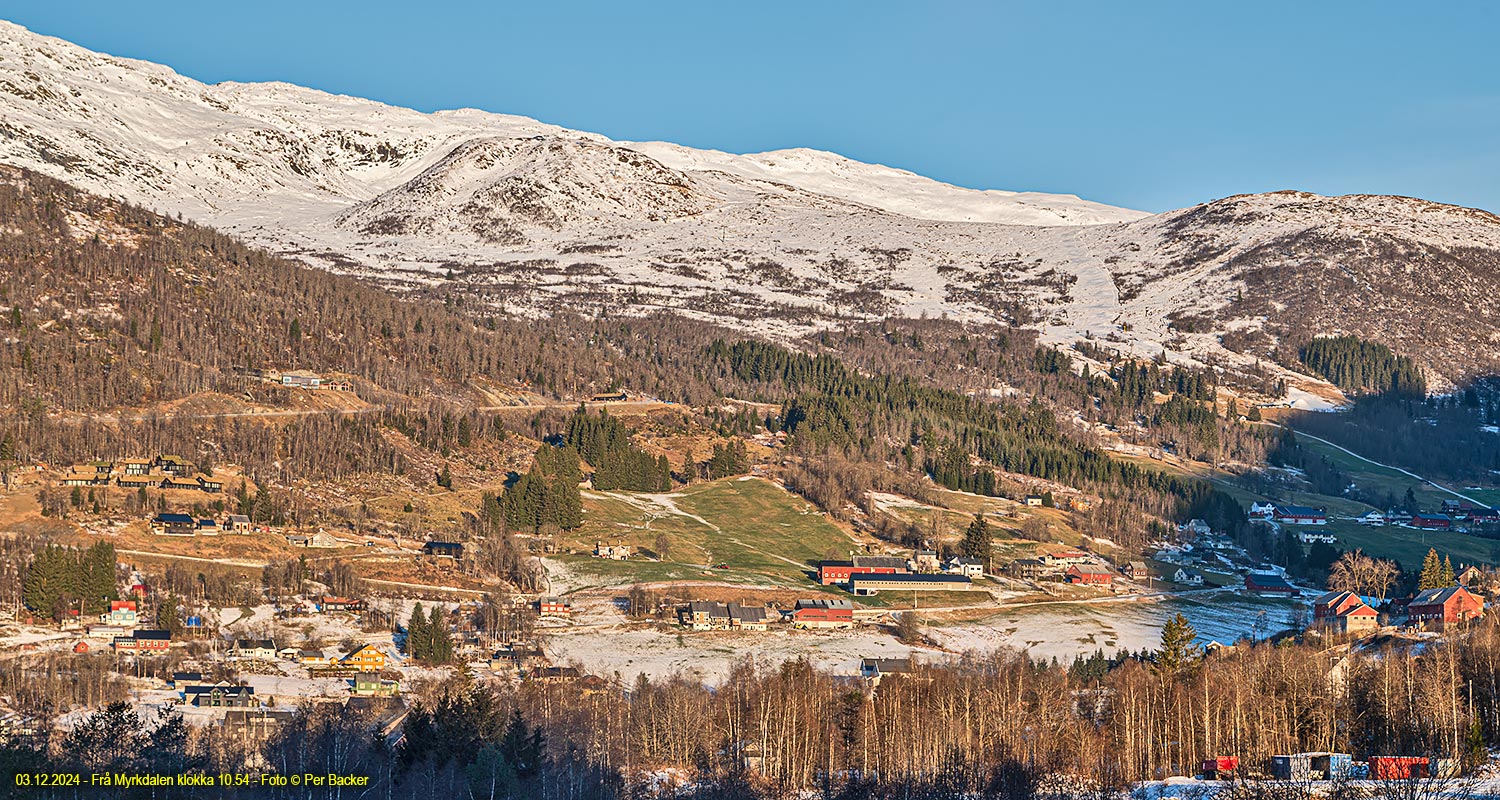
{"points": [[1327, 766], [1436, 609], [869, 574], [1460, 515], [170, 524], [1065, 564], [364, 659], [162, 472], [1288, 514]]}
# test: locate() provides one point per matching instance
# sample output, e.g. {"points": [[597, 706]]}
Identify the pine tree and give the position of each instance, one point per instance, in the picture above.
{"points": [[51, 583], [1178, 649], [1448, 577], [978, 540]]}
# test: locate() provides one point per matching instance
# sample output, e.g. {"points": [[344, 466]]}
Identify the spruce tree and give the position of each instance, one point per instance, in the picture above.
{"points": [[440, 643], [1178, 650], [1448, 577], [977, 540], [418, 640], [1432, 571]]}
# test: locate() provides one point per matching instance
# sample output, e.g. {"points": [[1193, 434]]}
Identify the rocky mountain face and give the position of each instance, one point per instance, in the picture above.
{"points": [[532, 217]]}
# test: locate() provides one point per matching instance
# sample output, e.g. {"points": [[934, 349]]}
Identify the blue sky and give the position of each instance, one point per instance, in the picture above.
{"points": [[1148, 105]]}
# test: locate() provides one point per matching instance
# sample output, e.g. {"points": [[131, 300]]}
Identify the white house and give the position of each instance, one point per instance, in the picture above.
{"points": [[1308, 537], [1262, 510], [261, 649], [970, 567], [1187, 577], [1373, 519]]}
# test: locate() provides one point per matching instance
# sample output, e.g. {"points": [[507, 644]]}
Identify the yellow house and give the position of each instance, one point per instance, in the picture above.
{"points": [[365, 659]]}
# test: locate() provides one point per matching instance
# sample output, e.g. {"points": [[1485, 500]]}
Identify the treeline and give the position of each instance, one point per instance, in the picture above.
{"points": [[546, 497], [994, 725], [1355, 365], [891, 418], [1439, 437], [62, 580], [604, 442]]}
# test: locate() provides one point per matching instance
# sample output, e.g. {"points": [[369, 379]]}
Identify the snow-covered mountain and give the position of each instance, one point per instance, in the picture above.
{"points": [[531, 217]]}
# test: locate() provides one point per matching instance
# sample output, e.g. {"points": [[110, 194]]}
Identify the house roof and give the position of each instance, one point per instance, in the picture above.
{"points": [[150, 634], [1433, 597], [1300, 511], [887, 665], [1262, 580], [880, 562], [831, 604], [170, 519], [254, 644], [1088, 569]]}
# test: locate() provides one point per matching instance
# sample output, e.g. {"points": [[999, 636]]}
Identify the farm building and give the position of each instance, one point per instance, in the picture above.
{"points": [[1439, 607], [1300, 515], [832, 572], [1269, 585], [821, 613], [1089, 575], [1431, 522], [870, 583]]}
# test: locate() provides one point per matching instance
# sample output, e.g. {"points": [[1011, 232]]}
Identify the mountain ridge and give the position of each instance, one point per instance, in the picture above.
{"points": [[531, 218]]}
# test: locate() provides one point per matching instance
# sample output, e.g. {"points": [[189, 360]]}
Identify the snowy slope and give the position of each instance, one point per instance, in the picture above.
{"points": [[531, 217]]}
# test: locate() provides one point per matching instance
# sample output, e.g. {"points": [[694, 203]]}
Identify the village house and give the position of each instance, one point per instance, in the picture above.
{"points": [[1136, 570], [139, 481], [705, 615], [1299, 515], [180, 482], [121, 612], [822, 613], [1344, 612], [133, 466], [924, 561], [220, 695], [301, 379], [208, 527], [1033, 500], [368, 685], [552, 606], [1029, 568], [258, 649], [367, 658], [613, 552], [237, 523], [172, 465], [147, 642], [832, 572], [179, 680], [1374, 519], [315, 658], [330, 604], [1438, 608], [254, 724], [971, 568], [1065, 558], [296, 540], [875, 669], [1269, 585], [1089, 575], [174, 525], [209, 483], [1473, 578], [1187, 577], [1309, 537], [1260, 510], [1196, 527]]}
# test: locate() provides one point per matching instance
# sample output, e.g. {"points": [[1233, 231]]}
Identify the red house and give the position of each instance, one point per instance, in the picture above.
{"points": [[1089, 575], [1441, 606], [553, 607], [1299, 515], [1439, 522], [1332, 604]]}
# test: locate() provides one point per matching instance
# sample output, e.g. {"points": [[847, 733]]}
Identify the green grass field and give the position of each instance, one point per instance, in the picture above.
{"points": [[762, 533]]}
